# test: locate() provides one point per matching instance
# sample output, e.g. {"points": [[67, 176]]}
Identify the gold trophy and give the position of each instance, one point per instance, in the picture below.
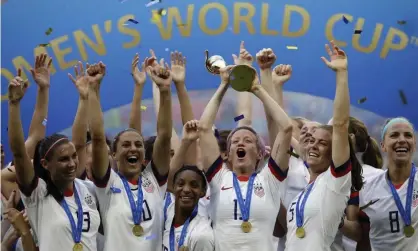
{"points": [[214, 63], [241, 78]]}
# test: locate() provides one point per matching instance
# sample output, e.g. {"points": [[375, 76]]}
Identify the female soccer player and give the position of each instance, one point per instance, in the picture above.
{"points": [[244, 203], [388, 200], [314, 215], [131, 201], [57, 194], [185, 227]]}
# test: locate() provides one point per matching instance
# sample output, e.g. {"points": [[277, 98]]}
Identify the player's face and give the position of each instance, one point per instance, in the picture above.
{"points": [[2, 156], [130, 153], [318, 155], [244, 152], [306, 134], [399, 143], [188, 189], [63, 163]]}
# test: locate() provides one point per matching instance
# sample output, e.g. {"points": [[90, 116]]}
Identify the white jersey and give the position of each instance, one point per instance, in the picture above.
{"points": [[199, 235], [50, 222], [297, 179], [368, 173], [386, 223], [323, 210], [265, 204], [117, 215]]}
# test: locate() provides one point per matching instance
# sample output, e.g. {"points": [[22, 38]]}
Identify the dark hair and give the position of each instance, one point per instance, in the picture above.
{"points": [[356, 168], [88, 140], [116, 139], [365, 144], [194, 169], [223, 140], [44, 150], [149, 148]]}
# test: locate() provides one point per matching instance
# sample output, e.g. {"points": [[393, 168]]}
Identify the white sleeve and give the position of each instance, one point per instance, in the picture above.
{"points": [[105, 189], [32, 200], [203, 240], [276, 180], [215, 174], [339, 178], [151, 175]]}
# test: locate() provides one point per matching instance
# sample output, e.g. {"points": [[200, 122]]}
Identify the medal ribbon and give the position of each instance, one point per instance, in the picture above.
{"points": [[183, 231], [244, 206], [405, 212], [300, 207], [166, 204], [75, 229], [136, 209]]}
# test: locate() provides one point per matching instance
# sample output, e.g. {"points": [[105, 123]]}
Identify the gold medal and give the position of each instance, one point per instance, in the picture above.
{"points": [[137, 230], [246, 227], [408, 231], [183, 248], [300, 232], [78, 247]]}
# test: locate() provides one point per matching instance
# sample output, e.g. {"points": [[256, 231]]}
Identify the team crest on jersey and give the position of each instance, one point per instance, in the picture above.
{"points": [[88, 199], [415, 198], [258, 189], [147, 185]]}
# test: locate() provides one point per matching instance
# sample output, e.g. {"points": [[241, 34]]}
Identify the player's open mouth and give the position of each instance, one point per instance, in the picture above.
{"points": [[241, 153], [313, 155], [401, 150], [132, 160], [186, 198]]}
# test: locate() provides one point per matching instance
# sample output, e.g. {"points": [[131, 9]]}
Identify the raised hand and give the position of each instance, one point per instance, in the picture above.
{"points": [[17, 87], [161, 75], [265, 58], [282, 73], [96, 72], [41, 73], [256, 82], [151, 61], [190, 130], [139, 75], [178, 67], [225, 72], [338, 58], [81, 80], [244, 56]]}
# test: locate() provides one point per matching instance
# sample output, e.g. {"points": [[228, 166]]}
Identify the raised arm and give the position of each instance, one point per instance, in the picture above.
{"points": [[190, 135], [139, 77], [178, 71], [161, 154], [41, 76], [80, 123], [281, 145], [24, 169], [341, 114], [100, 158], [244, 99], [265, 59], [208, 143]]}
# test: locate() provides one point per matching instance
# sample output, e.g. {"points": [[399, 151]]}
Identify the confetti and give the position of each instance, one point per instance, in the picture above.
{"points": [[44, 122], [133, 21], [152, 3], [115, 189], [362, 100], [358, 31], [403, 97], [292, 47], [155, 17], [162, 12], [401, 22], [49, 31], [345, 20], [44, 45], [166, 49], [238, 118], [292, 153], [143, 107]]}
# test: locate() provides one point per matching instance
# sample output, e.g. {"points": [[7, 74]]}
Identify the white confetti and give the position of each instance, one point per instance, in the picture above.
{"points": [[166, 49], [152, 3], [44, 122]]}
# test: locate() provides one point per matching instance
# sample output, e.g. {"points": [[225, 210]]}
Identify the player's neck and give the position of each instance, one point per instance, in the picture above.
{"points": [[65, 187], [132, 177], [181, 215], [399, 173], [242, 171]]}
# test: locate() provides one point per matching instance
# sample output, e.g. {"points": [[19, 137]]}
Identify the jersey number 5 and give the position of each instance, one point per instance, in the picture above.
{"points": [[292, 211], [394, 221]]}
